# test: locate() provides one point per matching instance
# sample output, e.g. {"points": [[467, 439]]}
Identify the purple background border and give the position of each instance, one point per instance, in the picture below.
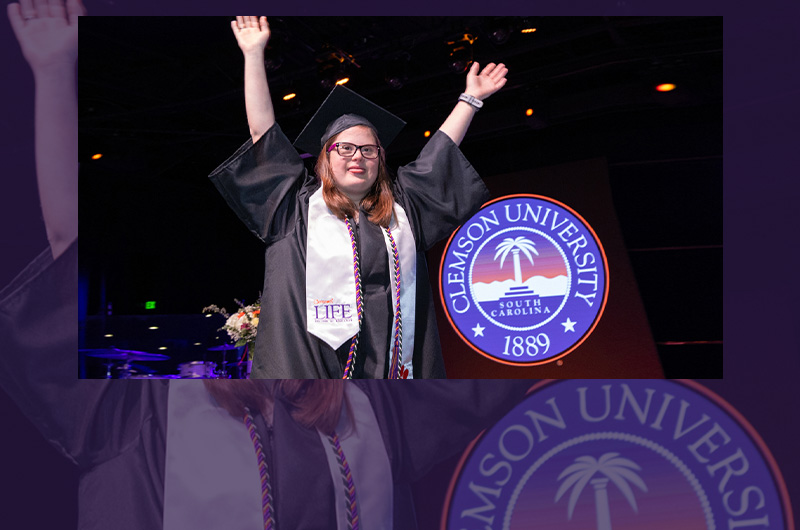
{"points": [[762, 352]]}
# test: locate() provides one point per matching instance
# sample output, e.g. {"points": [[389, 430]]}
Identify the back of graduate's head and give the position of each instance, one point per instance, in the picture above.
{"points": [[313, 403], [378, 201]]}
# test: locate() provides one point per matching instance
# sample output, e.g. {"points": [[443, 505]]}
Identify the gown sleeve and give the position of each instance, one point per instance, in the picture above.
{"points": [[88, 421], [259, 182], [440, 190]]}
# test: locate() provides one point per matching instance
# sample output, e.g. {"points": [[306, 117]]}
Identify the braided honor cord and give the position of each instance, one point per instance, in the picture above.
{"points": [[266, 492], [349, 486], [351, 507], [397, 343], [397, 360], [351, 356]]}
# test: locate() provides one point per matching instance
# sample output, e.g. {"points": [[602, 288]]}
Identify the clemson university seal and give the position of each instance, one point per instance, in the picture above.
{"points": [[525, 280]]}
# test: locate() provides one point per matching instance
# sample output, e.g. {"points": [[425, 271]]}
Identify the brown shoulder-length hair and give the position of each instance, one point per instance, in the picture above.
{"points": [[315, 404], [379, 201]]}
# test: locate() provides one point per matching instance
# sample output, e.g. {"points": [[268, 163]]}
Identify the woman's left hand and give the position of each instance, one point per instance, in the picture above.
{"points": [[489, 81], [47, 31]]}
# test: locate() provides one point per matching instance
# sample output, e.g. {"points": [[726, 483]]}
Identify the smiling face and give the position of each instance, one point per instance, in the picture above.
{"points": [[354, 175]]}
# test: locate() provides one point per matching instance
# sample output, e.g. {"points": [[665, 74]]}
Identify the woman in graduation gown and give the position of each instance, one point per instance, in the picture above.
{"points": [[178, 454], [346, 290]]}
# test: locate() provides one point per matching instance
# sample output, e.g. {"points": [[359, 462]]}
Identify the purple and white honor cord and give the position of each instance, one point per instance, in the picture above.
{"points": [[397, 343]]}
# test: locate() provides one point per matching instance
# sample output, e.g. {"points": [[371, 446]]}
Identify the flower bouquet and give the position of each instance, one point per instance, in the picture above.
{"points": [[241, 326]]}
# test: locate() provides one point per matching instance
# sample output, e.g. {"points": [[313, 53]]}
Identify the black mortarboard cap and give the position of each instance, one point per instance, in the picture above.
{"points": [[347, 109]]}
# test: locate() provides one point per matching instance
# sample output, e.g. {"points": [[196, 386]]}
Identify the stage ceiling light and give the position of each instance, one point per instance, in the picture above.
{"points": [[333, 67], [330, 69], [460, 53], [540, 118], [665, 87], [528, 25]]}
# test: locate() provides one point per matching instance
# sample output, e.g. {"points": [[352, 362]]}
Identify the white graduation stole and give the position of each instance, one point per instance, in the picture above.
{"points": [[331, 313]]}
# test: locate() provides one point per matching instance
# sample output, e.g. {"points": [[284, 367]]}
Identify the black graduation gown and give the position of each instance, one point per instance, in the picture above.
{"points": [[268, 187], [116, 431]]}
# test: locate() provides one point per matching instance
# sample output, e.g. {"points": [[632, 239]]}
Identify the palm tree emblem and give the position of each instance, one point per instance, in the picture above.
{"points": [[618, 470], [515, 246]]}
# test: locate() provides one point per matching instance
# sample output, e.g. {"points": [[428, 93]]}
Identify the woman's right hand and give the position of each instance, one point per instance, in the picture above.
{"points": [[252, 33]]}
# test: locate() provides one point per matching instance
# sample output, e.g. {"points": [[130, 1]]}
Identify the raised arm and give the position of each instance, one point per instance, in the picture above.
{"points": [[252, 34], [47, 32], [479, 86]]}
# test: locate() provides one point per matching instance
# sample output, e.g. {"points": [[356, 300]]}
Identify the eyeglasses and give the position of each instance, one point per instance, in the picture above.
{"points": [[347, 150]]}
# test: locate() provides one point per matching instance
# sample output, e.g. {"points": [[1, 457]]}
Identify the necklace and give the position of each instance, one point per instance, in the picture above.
{"points": [[267, 508], [397, 342]]}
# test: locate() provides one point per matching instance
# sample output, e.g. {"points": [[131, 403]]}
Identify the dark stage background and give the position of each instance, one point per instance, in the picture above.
{"points": [[162, 100]]}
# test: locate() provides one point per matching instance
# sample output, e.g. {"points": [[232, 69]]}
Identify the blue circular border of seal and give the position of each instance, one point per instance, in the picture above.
{"points": [[726, 408], [583, 337]]}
